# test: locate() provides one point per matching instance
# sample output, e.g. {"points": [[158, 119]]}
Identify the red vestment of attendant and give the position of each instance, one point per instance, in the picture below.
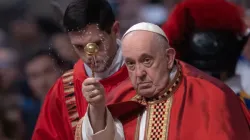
{"points": [[200, 108], [60, 114]]}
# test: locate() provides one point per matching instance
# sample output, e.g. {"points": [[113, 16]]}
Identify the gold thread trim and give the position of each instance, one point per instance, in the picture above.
{"points": [[147, 123], [67, 79], [78, 131], [73, 99], [71, 90], [70, 101], [168, 115], [68, 73]]}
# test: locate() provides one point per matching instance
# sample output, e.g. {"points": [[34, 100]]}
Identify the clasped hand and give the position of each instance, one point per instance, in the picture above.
{"points": [[94, 93]]}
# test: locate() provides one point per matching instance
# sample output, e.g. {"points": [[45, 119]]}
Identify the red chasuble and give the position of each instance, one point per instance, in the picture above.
{"points": [[65, 104], [195, 106]]}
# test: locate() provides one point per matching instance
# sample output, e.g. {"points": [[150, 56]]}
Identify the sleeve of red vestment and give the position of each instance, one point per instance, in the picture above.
{"points": [[53, 122], [227, 118], [230, 118]]}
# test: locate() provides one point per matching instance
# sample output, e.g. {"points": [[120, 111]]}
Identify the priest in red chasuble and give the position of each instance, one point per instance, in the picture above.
{"points": [[173, 100], [87, 22]]}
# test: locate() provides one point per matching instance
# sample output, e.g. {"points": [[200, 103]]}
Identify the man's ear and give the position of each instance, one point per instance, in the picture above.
{"points": [[116, 29], [170, 53]]}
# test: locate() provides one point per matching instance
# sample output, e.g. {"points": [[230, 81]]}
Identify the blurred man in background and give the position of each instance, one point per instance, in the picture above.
{"points": [[209, 35], [11, 118], [43, 67], [9, 73]]}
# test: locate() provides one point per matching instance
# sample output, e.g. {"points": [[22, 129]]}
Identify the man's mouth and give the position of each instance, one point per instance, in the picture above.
{"points": [[144, 85], [93, 63]]}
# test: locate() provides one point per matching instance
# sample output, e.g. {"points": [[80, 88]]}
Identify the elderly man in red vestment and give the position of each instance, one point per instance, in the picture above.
{"points": [[174, 100], [86, 21]]}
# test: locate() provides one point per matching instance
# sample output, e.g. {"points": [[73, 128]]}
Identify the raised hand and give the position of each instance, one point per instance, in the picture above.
{"points": [[94, 93]]}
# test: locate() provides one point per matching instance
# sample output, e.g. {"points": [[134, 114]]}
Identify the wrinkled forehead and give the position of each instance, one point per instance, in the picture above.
{"points": [[90, 33], [41, 61]]}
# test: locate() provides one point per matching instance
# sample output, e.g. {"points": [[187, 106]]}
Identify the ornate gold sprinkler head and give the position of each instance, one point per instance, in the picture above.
{"points": [[92, 49]]}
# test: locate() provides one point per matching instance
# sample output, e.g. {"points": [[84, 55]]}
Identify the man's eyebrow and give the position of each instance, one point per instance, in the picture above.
{"points": [[77, 45], [97, 41], [128, 59], [80, 43], [145, 55]]}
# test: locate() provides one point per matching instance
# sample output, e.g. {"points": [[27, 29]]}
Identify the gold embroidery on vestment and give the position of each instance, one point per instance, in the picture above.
{"points": [[78, 131], [158, 120]]}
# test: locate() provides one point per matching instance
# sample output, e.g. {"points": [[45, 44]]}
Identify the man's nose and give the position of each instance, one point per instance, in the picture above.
{"points": [[140, 72], [44, 80], [89, 58]]}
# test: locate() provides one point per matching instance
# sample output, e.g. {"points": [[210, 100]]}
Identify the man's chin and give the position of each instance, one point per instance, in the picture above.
{"points": [[100, 69], [147, 93]]}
